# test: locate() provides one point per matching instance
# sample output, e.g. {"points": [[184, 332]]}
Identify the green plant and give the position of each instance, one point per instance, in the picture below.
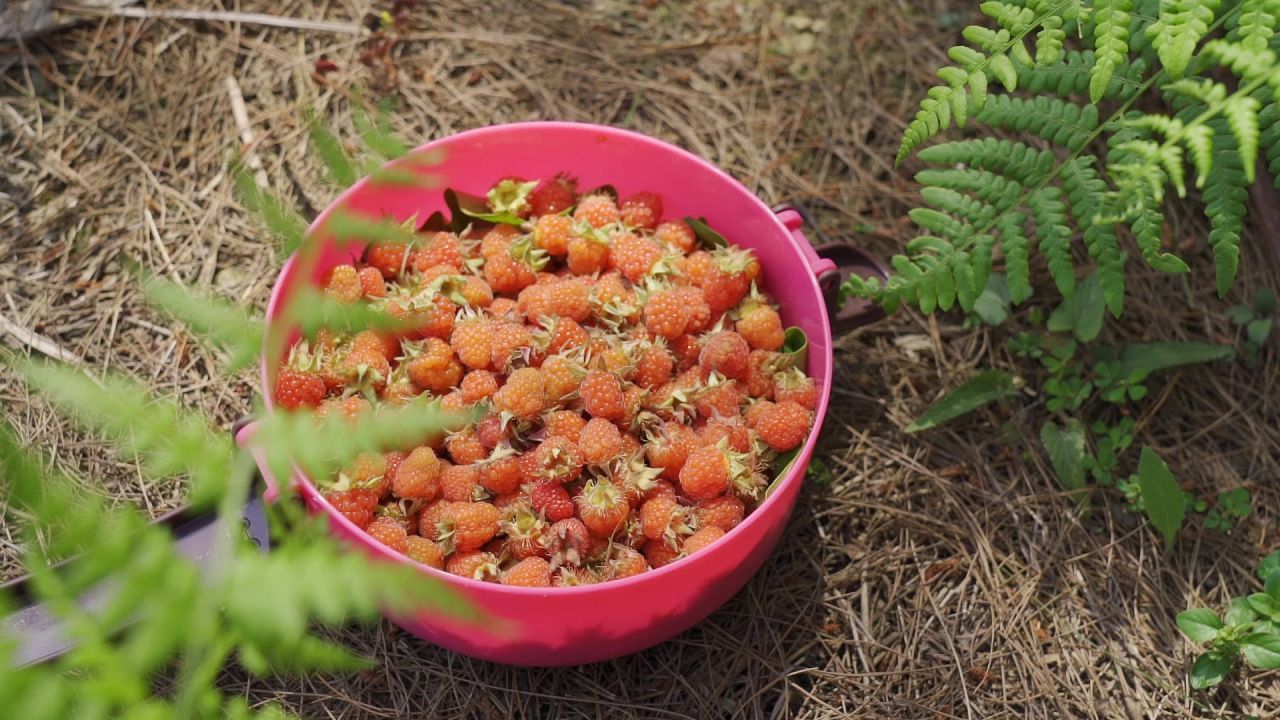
{"points": [[1257, 320], [1250, 628], [163, 617], [987, 198], [1073, 381]]}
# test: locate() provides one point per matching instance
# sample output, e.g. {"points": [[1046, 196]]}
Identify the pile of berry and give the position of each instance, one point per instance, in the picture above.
{"points": [[631, 383]]}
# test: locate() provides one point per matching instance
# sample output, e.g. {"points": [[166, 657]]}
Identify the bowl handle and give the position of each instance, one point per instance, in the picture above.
{"points": [[832, 264], [244, 438]]}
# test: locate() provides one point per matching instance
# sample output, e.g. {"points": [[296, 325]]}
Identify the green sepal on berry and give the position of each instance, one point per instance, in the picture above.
{"points": [[524, 250]]}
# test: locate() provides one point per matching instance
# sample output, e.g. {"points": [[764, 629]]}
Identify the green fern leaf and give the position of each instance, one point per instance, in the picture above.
{"points": [[1181, 25], [1110, 44], [279, 218], [1014, 18], [1058, 121], [1241, 112], [1054, 234], [338, 166], [1015, 243], [1147, 227], [971, 210], [996, 191], [1073, 74], [1085, 194], [1256, 24], [1245, 62], [1017, 160], [980, 258], [1226, 190], [938, 222], [1269, 121], [222, 323], [1051, 36], [376, 132]]}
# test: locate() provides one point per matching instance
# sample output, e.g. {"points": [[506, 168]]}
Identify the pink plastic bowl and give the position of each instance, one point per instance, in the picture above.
{"points": [[569, 626]]}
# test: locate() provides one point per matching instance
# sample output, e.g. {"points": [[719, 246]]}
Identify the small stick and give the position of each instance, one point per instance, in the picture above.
{"points": [[38, 342], [241, 115], [220, 16], [164, 252]]}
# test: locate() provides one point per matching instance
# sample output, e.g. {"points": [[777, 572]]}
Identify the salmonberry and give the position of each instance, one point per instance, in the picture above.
{"points": [[501, 475], [389, 258], [472, 341], [784, 425], [724, 512], [701, 539], [371, 283], [420, 549], [510, 343], [523, 395], [758, 380], [432, 365], [642, 210], [439, 248], [343, 284], [560, 376], [552, 500], [625, 562], [557, 460], [356, 505], [467, 526], [296, 389], [600, 441], [602, 507], [587, 255], [707, 472], [760, 325], [475, 565], [726, 353], [791, 384], [478, 385], [565, 424], [666, 314], [597, 211], [529, 572], [389, 533], [676, 234], [417, 477], [553, 233], [602, 395], [659, 554], [465, 448], [633, 255], [553, 195], [524, 527], [664, 519], [567, 542], [668, 450], [654, 366]]}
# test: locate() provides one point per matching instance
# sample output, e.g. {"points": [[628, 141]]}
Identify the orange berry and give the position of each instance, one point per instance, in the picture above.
{"points": [[529, 572], [420, 549]]}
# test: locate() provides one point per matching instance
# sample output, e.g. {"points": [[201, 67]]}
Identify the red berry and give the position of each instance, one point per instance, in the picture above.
{"points": [[552, 500], [389, 533], [633, 255], [676, 234], [706, 473], [724, 512], [529, 572], [343, 284], [418, 476], [439, 248], [389, 258], [467, 526], [642, 210], [557, 460], [597, 211], [602, 395], [602, 507], [475, 565], [420, 549], [600, 441], [553, 195], [701, 539], [726, 353], [296, 389], [784, 425], [356, 505], [568, 542], [793, 385], [658, 554], [758, 380]]}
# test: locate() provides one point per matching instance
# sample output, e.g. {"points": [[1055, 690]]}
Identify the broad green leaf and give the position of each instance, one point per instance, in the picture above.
{"points": [[1266, 605], [1082, 313], [1199, 624], [1269, 566], [780, 466], [1162, 498], [1262, 650], [993, 304], [1258, 330], [1065, 446], [1240, 612], [985, 387], [709, 238], [1210, 668], [796, 345], [1150, 357]]}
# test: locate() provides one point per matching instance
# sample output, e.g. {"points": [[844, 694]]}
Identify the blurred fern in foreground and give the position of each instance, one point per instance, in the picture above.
{"points": [[162, 616]]}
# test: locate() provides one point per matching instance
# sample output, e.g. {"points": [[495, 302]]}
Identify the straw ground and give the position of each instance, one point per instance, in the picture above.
{"points": [[934, 576]]}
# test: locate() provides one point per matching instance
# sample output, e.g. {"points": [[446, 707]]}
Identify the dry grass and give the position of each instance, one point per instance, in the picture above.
{"points": [[937, 576]]}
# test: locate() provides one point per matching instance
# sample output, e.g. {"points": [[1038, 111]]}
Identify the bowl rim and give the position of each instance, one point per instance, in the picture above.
{"points": [[793, 476]]}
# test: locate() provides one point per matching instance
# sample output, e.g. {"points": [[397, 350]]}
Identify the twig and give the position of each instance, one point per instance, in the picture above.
{"points": [[164, 252], [241, 115], [217, 16], [1266, 209], [39, 343]]}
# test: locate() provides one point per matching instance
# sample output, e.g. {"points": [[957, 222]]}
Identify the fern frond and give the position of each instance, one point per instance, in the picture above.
{"points": [[1269, 138], [277, 216], [1054, 233], [938, 222], [1017, 258], [338, 166], [1256, 24], [1073, 73], [1226, 189], [995, 190], [1245, 62], [1017, 160], [972, 210], [1110, 44], [1058, 121], [1147, 226], [218, 321], [1181, 25], [1051, 36], [376, 132], [1085, 193], [969, 75]]}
